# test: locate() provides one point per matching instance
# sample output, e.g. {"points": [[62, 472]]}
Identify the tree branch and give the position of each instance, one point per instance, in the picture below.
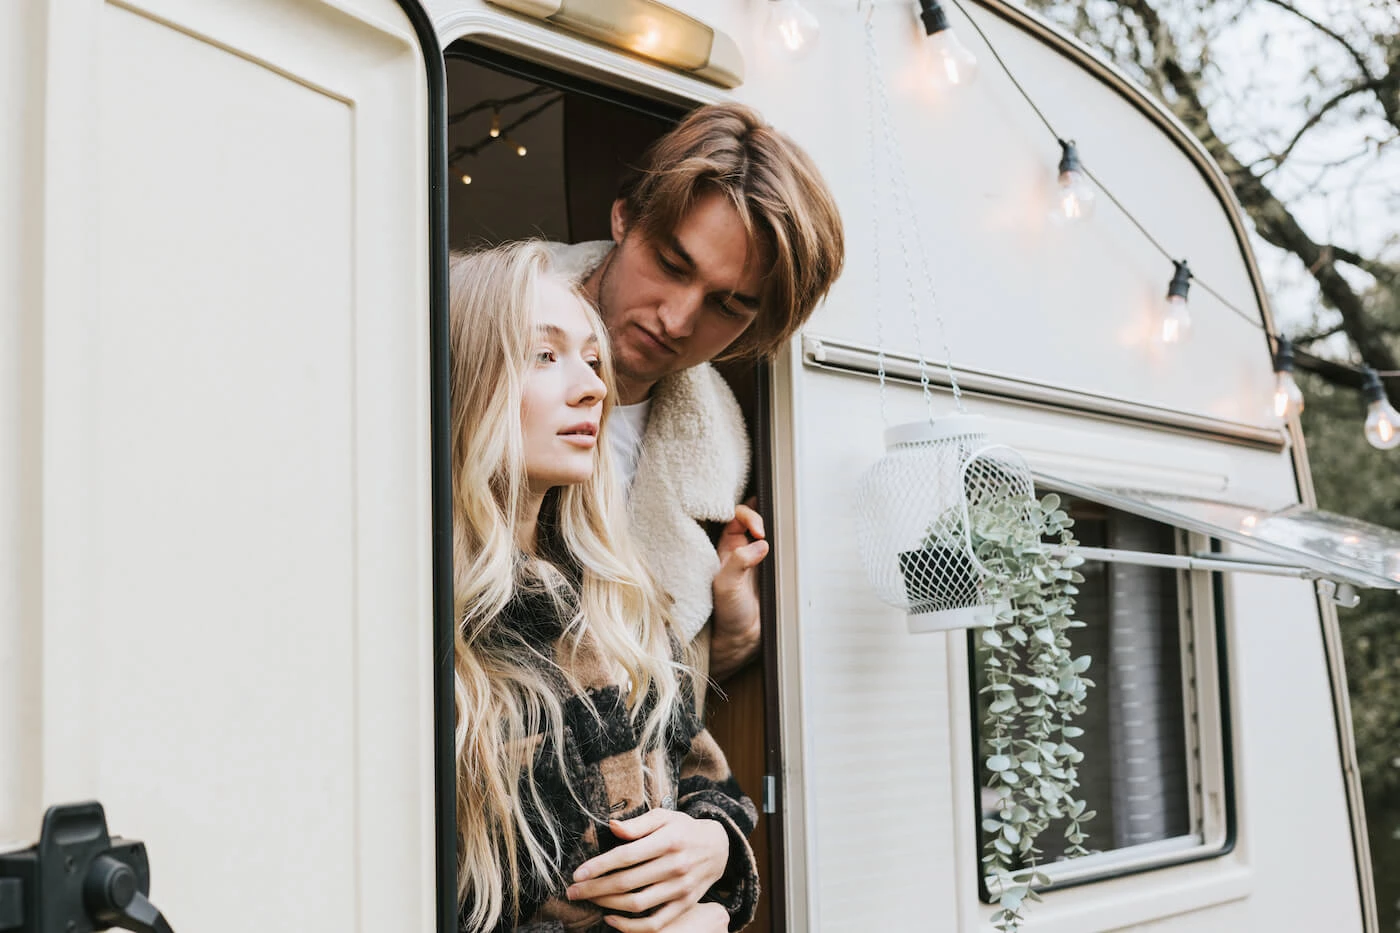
{"points": [[1272, 219], [1337, 37], [1313, 121]]}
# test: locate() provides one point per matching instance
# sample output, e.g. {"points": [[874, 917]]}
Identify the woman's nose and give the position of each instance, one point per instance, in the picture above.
{"points": [[589, 387]]}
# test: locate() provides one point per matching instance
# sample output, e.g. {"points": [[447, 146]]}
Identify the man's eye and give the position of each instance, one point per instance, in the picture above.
{"points": [[668, 265], [731, 311]]}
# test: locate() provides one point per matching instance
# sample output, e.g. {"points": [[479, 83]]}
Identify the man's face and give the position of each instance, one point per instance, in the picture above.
{"points": [[670, 304]]}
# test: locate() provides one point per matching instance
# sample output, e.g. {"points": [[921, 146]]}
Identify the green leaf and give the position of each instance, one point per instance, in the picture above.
{"points": [[998, 763], [991, 638]]}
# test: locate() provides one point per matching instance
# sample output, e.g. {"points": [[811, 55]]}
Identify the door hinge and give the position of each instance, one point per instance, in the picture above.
{"points": [[77, 877], [770, 794]]}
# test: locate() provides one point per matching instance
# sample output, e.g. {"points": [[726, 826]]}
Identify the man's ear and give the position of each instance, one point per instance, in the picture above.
{"points": [[619, 220]]}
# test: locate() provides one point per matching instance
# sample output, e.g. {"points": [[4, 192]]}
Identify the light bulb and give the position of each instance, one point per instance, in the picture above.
{"points": [[950, 64], [495, 130], [520, 150], [1288, 398], [1074, 194], [789, 30], [466, 179], [1382, 421], [1176, 318]]}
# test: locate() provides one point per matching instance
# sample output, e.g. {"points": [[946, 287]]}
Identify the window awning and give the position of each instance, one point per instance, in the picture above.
{"points": [[1335, 547]]}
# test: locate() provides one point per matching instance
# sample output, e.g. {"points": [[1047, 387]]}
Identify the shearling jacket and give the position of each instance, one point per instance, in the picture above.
{"points": [[605, 770], [692, 469]]}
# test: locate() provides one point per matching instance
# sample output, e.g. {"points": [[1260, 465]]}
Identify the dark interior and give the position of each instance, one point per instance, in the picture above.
{"points": [[580, 139]]}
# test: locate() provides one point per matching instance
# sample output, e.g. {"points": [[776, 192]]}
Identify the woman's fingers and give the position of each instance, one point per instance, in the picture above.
{"points": [[636, 901], [633, 879], [656, 923], [643, 849]]}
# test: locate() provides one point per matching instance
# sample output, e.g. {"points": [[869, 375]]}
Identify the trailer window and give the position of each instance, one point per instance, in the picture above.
{"points": [[1143, 734]]}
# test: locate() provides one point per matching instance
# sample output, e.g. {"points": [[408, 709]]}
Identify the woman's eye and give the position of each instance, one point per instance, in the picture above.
{"points": [[544, 356], [595, 365]]}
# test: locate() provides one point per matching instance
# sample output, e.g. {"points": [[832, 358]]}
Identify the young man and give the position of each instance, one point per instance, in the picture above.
{"points": [[724, 240]]}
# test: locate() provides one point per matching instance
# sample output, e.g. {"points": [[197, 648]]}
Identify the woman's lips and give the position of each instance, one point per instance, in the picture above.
{"points": [[584, 434]]}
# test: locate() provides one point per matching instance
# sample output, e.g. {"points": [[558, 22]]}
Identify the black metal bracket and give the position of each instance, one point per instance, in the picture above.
{"points": [[77, 879]]}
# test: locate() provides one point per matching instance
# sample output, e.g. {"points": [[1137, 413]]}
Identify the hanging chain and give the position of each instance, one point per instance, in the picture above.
{"points": [[903, 202], [875, 207]]}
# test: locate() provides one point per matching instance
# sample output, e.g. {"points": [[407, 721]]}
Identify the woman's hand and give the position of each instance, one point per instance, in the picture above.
{"points": [[702, 918], [735, 635], [668, 862]]}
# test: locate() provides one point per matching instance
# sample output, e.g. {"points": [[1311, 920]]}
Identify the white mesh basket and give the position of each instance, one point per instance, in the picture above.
{"points": [[913, 513]]}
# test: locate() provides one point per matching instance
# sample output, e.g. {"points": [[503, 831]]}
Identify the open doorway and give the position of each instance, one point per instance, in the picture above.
{"points": [[536, 152]]}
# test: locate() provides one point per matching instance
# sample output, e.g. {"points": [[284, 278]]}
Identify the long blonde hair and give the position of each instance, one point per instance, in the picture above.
{"points": [[508, 692]]}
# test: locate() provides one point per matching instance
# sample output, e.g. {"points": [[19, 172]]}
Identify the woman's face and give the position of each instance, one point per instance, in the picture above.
{"points": [[563, 398]]}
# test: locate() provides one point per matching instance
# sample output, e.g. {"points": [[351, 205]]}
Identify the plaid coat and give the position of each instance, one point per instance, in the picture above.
{"points": [[605, 769]]}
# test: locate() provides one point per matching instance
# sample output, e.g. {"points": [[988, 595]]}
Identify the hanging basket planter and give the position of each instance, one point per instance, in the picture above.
{"points": [[917, 508]]}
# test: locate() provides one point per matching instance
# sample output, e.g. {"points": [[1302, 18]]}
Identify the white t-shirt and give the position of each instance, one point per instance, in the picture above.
{"points": [[625, 430]]}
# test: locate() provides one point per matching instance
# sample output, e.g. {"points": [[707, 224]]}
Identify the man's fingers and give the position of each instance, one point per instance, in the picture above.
{"points": [[753, 553], [749, 519], [744, 558]]}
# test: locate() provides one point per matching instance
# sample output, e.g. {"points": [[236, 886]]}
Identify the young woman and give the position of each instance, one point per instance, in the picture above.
{"points": [[589, 796]]}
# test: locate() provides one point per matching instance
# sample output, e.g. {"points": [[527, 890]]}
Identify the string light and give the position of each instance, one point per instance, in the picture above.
{"points": [[789, 29], [1382, 420], [1176, 319], [1074, 195], [950, 64], [495, 130], [466, 178], [519, 147], [1288, 398]]}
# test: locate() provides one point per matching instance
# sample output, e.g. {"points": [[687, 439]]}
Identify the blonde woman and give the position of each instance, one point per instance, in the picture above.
{"points": [[589, 795]]}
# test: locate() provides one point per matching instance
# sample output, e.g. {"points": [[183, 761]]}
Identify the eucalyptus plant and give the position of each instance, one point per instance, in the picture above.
{"points": [[1034, 688]]}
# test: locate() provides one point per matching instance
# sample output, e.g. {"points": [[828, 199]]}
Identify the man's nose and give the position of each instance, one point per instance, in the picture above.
{"points": [[679, 313]]}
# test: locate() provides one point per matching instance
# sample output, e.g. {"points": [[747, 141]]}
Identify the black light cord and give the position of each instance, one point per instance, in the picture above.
{"points": [[1205, 286], [461, 152]]}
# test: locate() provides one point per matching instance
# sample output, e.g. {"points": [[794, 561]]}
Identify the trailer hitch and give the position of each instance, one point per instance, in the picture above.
{"points": [[77, 879]]}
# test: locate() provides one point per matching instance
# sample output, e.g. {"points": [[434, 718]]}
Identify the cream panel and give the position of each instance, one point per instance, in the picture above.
{"points": [[875, 702], [237, 618], [887, 717], [21, 62], [1021, 297]]}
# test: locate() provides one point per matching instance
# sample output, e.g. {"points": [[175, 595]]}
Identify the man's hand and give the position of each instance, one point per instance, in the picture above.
{"points": [[669, 862], [735, 633]]}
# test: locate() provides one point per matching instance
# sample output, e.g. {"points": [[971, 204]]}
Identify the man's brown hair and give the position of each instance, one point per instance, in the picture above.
{"points": [[781, 197]]}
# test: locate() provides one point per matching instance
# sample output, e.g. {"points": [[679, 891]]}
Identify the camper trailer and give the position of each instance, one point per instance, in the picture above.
{"points": [[224, 530]]}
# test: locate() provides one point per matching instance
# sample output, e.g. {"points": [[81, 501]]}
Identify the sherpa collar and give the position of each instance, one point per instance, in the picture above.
{"points": [[692, 468]]}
